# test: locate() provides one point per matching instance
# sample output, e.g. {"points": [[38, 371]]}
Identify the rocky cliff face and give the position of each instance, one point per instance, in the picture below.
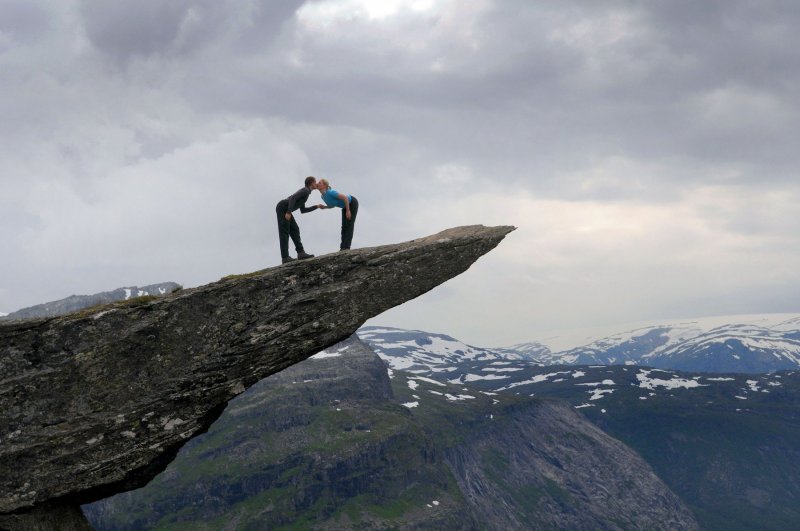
{"points": [[100, 401], [333, 443], [549, 468]]}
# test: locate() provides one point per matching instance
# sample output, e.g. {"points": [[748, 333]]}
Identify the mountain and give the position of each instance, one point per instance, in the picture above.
{"points": [[736, 348], [79, 302], [414, 350], [728, 444], [531, 350], [320, 443], [747, 344], [339, 442]]}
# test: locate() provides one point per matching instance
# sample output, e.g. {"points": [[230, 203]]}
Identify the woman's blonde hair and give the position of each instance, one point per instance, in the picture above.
{"points": [[325, 183]]}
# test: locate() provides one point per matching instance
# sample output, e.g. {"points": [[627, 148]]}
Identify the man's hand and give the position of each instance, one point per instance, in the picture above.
{"points": [[288, 216], [347, 214], [321, 206]]}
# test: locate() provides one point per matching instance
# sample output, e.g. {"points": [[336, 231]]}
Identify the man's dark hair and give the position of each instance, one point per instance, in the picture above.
{"points": [[310, 181]]}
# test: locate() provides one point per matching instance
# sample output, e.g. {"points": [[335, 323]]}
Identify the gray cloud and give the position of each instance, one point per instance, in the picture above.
{"points": [[653, 139], [140, 28], [131, 30], [23, 21], [543, 83]]}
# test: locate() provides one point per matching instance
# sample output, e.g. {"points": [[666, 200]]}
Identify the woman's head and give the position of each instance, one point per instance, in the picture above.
{"points": [[323, 185]]}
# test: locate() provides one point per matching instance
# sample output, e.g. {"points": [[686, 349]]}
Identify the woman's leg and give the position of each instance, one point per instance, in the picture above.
{"points": [[344, 230], [348, 225]]}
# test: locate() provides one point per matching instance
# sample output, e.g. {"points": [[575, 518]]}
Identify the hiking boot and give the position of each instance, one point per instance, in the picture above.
{"points": [[302, 255], [287, 259]]}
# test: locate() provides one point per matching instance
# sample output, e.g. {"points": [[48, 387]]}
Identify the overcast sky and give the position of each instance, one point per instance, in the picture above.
{"points": [[647, 151]]}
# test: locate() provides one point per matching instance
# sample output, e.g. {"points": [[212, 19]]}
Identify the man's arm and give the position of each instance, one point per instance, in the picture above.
{"points": [[303, 208], [299, 197]]}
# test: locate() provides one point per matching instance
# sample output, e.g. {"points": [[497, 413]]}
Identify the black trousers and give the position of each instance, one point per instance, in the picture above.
{"points": [[349, 224], [287, 229]]}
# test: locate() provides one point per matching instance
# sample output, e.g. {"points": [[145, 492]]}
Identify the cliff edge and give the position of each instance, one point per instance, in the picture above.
{"points": [[99, 401]]}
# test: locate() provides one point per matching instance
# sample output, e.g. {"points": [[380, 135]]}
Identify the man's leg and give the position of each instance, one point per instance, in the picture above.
{"points": [[283, 231], [294, 232], [348, 225]]}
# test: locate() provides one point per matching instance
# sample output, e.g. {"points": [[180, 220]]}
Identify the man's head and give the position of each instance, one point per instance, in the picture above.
{"points": [[311, 182]]}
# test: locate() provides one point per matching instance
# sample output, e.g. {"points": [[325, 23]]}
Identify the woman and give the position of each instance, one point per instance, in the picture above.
{"points": [[349, 206]]}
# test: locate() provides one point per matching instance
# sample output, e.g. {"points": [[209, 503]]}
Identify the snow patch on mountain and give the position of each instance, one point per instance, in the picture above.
{"points": [[469, 377], [753, 385], [456, 398], [646, 382], [428, 380], [597, 394], [595, 384], [329, 353], [536, 379]]}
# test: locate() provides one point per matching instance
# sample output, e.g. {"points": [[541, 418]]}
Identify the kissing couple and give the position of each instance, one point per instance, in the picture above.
{"points": [[288, 228]]}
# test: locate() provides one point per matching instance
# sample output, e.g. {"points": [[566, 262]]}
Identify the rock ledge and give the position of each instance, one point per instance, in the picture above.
{"points": [[99, 401]]}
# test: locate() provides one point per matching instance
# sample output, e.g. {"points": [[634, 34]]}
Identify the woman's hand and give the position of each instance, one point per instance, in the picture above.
{"points": [[321, 206], [347, 213]]}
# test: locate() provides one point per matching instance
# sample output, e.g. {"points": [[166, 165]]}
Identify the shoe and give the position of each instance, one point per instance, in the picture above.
{"points": [[302, 255], [344, 249], [287, 259]]}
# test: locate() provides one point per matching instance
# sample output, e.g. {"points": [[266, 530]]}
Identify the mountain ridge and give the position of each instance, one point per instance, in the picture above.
{"points": [[763, 344]]}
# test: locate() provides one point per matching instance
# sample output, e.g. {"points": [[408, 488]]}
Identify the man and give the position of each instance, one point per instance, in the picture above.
{"points": [[287, 226]]}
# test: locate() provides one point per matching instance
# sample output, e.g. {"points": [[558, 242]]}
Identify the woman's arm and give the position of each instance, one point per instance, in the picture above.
{"points": [[346, 205]]}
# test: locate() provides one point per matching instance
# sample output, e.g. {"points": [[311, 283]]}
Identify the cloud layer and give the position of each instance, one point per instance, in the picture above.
{"points": [[646, 151]]}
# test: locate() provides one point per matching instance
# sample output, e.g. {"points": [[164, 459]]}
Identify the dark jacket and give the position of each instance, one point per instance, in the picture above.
{"points": [[298, 200]]}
